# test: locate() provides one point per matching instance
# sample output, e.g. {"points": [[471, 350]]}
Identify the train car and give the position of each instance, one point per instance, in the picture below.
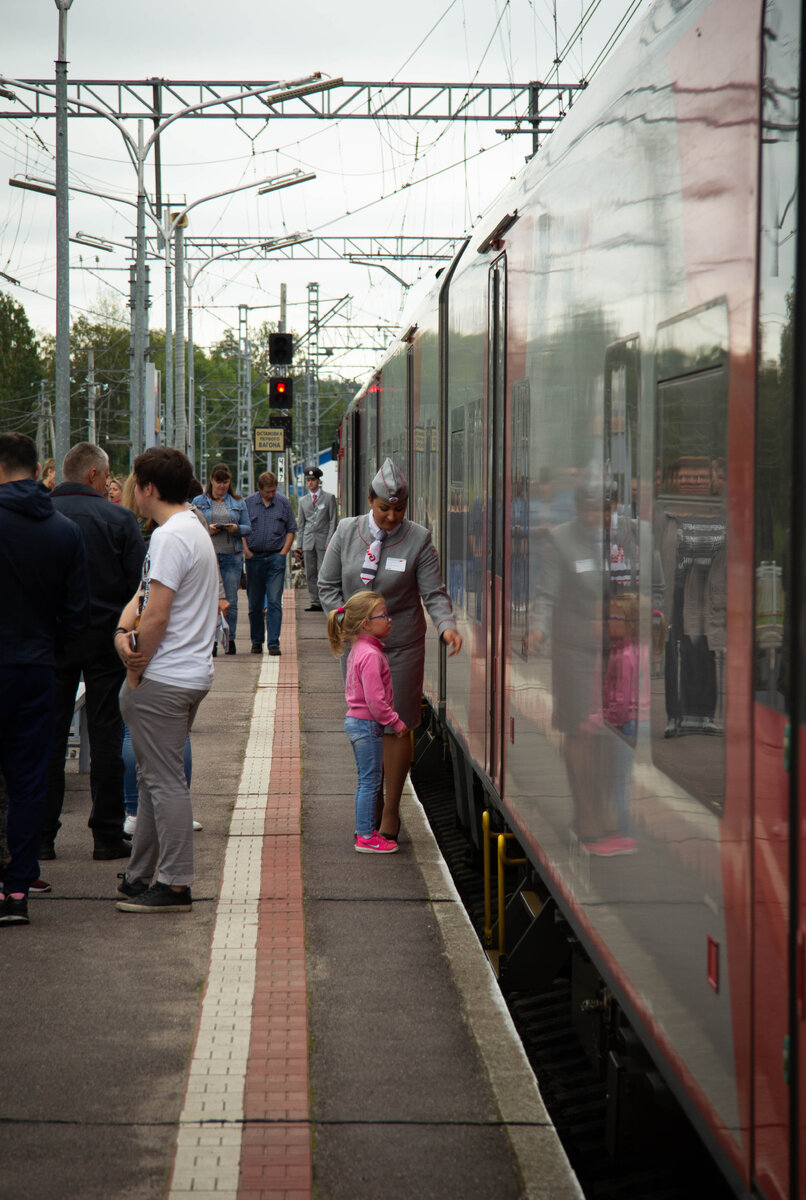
{"points": [[599, 406]]}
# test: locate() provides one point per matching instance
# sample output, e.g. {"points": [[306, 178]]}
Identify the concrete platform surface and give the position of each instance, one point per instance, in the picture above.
{"points": [[322, 1024]]}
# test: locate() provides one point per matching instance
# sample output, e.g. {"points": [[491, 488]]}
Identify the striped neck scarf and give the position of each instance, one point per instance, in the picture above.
{"points": [[369, 567]]}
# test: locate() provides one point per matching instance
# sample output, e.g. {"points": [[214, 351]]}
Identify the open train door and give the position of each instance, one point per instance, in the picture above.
{"points": [[497, 508]]}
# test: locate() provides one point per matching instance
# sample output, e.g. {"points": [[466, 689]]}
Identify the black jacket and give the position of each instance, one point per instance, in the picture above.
{"points": [[114, 546], [44, 594]]}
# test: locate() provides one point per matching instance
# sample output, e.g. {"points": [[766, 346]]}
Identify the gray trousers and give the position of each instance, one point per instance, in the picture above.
{"points": [[313, 562], [159, 717]]}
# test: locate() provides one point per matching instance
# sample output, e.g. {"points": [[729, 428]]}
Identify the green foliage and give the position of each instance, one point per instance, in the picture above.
{"points": [[21, 369]]}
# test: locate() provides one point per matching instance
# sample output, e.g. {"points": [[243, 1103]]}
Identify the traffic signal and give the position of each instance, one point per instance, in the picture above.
{"points": [[281, 349], [281, 392]]}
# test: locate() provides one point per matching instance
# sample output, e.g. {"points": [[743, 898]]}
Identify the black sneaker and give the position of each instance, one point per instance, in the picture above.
{"points": [[231, 647], [128, 889], [257, 647], [275, 650], [13, 912], [47, 852], [106, 850], [159, 898]]}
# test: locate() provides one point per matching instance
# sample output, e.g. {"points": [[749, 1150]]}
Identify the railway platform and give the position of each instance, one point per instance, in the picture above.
{"points": [[323, 1024]]}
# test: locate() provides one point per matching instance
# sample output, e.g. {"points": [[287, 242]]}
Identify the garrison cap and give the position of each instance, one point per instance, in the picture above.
{"points": [[313, 473], [389, 484]]}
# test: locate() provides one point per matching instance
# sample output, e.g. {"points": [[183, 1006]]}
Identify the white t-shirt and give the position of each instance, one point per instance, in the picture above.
{"points": [[181, 557]]}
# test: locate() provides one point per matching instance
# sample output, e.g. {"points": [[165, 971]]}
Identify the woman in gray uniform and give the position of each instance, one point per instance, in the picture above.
{"points": [[395, 557]]}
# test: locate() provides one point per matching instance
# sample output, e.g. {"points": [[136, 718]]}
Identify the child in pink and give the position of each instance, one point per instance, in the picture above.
{"points": [[364, 621]]}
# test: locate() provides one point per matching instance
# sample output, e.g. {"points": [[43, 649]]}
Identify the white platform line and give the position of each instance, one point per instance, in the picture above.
{"points": [[208, 1145]]}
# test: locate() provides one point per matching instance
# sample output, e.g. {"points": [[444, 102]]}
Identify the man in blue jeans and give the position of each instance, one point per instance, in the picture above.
{"points": [[266, 549]]}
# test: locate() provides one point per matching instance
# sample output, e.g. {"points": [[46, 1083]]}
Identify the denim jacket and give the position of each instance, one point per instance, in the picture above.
{"points": [[237, 508]]}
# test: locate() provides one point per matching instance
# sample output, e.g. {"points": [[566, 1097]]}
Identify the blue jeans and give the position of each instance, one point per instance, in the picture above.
{"points": [[265, 575], [366, 739], [231, 566], [131, 795]]}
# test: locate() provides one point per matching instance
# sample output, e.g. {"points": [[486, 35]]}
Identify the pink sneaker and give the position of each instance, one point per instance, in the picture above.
{"points": [[610, 847], [376, 843]]}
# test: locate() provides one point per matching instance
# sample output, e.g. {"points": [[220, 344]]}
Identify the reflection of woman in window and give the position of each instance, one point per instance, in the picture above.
{"points": [[620, 691]]}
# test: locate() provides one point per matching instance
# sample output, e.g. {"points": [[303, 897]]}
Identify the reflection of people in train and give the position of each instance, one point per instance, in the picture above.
{"points": [[690, 542], [457, 543], [547, 510], [620, 693], [568, 607], [519, 514]]}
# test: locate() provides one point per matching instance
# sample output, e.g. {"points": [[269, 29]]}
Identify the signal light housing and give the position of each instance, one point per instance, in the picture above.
{"points": [[281, 392], [281, 349]]}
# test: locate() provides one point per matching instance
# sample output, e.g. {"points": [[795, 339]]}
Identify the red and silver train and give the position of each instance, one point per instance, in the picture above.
{"points": [[599, 408]]}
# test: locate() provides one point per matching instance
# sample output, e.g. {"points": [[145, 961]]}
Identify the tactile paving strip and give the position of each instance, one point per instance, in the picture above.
{"points": [[244, 1129]]}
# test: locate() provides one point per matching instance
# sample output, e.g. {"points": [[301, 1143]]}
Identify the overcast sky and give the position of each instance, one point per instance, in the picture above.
{"points": [[357, 163]]}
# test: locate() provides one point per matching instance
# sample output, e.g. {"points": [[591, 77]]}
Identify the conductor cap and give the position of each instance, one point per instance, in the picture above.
{"points": [[390, 485], [313, 473]]}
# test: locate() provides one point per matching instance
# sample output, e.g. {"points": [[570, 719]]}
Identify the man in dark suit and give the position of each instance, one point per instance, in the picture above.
{"points": [[316, 524], [115, 553]]}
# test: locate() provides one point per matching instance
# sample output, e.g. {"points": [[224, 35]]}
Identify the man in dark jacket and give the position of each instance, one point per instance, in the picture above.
{"points": [[44, 600], [115, 553]]}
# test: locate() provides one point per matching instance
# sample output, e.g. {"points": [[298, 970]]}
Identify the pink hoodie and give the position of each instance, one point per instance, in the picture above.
{"points": [[369, 683]]}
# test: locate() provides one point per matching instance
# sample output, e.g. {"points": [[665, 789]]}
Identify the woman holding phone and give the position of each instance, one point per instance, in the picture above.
{"points": [[228, 521]]}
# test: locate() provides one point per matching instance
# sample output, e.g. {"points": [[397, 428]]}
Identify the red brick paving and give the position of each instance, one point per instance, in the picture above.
{"points": [[276, 1160]]}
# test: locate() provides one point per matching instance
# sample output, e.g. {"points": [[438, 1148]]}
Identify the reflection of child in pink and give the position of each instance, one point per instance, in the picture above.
{"points": [[620, 691]]}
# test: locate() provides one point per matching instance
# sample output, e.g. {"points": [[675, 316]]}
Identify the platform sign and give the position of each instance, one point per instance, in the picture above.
{"points": [[269, 441]]}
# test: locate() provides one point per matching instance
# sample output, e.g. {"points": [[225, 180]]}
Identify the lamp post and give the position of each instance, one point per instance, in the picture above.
{"points": [[62, 361]]}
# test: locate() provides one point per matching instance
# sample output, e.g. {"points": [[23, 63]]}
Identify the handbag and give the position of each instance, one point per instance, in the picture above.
{"points": [[222, 634]]}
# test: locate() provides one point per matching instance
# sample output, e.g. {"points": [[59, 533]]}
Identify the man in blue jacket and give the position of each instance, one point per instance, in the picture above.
{"points": [[115, 553], [44, 600]]}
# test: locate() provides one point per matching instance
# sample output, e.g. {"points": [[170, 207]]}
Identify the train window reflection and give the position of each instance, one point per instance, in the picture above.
{"points": [[625, 695], [690, 535]]}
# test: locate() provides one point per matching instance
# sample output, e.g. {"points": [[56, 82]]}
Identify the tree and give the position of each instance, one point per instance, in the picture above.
{"points": [[21, 369]]}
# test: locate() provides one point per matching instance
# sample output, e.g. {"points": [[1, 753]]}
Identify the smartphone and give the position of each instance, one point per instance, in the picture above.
{"points": [[133, 640]]}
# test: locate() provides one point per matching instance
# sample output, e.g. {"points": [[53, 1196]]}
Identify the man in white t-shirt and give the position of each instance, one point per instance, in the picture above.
{"points": [[168, 674]]}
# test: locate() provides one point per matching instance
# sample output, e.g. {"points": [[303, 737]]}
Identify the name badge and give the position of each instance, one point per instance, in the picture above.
{"points": [[395, 564], [584, 564]]}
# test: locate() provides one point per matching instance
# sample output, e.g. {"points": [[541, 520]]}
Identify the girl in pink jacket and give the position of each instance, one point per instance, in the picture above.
{"points": [[364, 621]]}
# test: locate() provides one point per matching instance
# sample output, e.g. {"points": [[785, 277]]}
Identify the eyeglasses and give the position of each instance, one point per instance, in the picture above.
{"points": [[384, 616]]}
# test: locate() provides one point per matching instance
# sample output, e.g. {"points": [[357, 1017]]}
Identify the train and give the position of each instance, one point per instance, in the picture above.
{"points": [[598, 405]]}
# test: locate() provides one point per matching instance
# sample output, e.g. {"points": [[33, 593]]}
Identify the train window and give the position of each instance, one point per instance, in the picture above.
{"points": [[687, 716], [621, 650]]}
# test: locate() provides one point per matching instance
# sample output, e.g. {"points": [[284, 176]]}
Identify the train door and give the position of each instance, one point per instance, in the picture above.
{"points": [[497, 503], [779, 792]]}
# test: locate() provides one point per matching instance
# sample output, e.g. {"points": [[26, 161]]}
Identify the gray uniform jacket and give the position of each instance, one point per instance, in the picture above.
{"points": [[316, 526], [408, 577]]}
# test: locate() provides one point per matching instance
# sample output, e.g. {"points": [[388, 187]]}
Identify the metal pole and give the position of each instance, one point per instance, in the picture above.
{"points": [[138, 367], [179, 325], [281, 322], [203, 435], [41, 430], [191, 385], [170, 424], [62, 359], [91, 434]]}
